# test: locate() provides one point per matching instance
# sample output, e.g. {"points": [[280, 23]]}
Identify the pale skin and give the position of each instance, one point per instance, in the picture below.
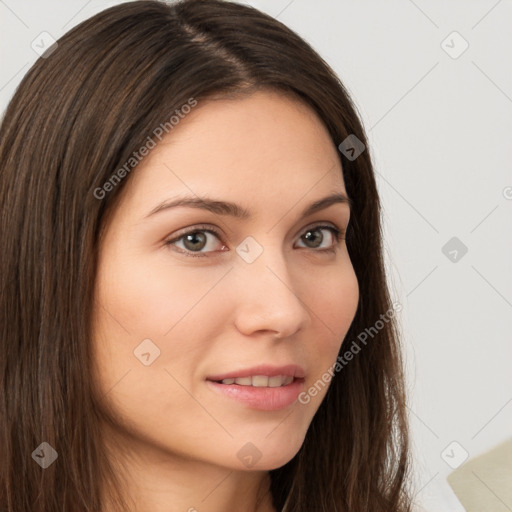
{"points": [[178, 440]]}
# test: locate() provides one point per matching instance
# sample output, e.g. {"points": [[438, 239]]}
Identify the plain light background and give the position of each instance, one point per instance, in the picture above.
{"points": [[439, 120]]}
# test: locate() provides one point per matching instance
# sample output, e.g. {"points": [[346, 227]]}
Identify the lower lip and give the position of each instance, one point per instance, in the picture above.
{"points": [[264, 398]]}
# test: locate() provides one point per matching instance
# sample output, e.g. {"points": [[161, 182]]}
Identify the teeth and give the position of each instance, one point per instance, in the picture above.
{"points": [[261, 381], [275, 382], [287, 380], [243, 381]]}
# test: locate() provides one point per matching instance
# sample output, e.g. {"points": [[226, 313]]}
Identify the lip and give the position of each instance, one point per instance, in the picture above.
{"points": [[263, 399], [291, 370]]}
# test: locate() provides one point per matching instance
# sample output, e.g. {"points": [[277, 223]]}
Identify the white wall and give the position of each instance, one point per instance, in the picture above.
{"points": [[440, 131]]}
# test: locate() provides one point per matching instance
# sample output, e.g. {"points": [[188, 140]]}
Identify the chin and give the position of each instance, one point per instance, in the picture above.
{"points": [[267, 454]]}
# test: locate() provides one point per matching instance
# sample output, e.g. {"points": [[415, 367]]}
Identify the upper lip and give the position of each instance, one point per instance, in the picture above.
{"points": [[292, 370]]}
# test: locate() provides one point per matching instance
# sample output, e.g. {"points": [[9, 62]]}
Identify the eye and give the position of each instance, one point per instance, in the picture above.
{"points": [[196, 239], [337, 235]]}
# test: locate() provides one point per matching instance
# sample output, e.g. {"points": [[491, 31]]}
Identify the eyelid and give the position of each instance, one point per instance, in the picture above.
{"points": [[338, 232], [192, 229]]}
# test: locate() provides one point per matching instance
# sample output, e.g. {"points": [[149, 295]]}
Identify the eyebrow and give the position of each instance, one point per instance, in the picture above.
{"points": [[235, 210]]}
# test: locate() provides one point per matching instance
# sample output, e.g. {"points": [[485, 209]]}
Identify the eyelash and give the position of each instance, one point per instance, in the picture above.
{"points": [[338, 235]]}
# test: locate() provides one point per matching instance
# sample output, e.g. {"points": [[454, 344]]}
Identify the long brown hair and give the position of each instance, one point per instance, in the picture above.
{"points": [[77, 117]]}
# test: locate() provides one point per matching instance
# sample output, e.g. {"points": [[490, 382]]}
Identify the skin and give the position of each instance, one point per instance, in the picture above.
{"points": [[176, 440]]}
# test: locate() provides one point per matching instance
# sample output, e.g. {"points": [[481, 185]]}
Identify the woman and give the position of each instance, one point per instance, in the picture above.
{"points": [[194, 307]]}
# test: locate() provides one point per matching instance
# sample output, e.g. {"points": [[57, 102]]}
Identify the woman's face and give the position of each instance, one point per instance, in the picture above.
{"points": [[270, 290]]}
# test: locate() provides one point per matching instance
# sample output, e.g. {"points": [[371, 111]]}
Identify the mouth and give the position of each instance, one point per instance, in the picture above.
{"points": [[263, 388], [259, 381], [263, 375]]}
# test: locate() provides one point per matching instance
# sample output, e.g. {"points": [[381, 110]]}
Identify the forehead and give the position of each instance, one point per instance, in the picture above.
{"points": [[265, 148]]}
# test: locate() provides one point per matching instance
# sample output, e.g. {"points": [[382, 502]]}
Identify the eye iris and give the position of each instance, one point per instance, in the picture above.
{"points": [[308, 236], [193, 237]]}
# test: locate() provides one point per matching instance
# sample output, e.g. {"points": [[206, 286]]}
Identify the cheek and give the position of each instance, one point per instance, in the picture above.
{"points": [[333, 308], [152, 295], [333, 305], [160, 308], [151, 311]]}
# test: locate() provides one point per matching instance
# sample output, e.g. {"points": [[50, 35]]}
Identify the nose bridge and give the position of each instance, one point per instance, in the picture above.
{"points": [[268, 297]]}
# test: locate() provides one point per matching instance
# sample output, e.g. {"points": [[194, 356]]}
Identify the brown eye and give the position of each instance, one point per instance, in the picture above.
{"points": [[194, 241], [312, 237]]}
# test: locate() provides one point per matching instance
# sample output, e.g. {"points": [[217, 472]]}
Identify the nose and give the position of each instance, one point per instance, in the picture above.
{"points": [[267, 296]]}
